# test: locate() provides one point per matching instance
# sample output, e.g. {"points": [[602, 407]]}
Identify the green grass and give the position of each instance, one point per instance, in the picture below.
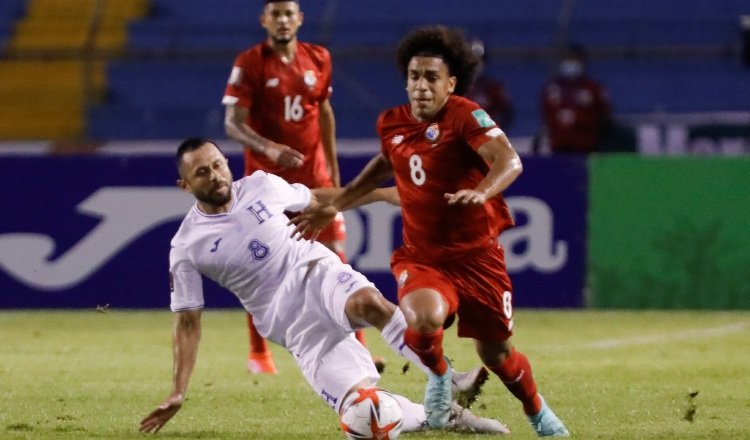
{"points": [[608, 375]]}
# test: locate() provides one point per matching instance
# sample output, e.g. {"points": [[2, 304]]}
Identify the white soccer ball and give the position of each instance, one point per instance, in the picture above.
{"points": [[371, 414]]}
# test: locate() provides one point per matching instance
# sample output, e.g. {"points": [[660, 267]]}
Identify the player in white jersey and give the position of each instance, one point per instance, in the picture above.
{"points": [[301, 295]]}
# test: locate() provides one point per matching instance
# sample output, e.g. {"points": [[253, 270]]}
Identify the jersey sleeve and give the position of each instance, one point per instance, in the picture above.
{"points": [[293, 197], [240, 83], [186, 284], [384, 149], [476, 126]]}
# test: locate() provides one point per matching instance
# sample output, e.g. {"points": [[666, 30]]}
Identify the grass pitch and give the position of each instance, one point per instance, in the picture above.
{"points": [[608, 375]]}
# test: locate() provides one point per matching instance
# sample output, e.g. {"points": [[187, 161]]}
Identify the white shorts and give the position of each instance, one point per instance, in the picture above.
{"points": [[344, 366], [321, 339]]}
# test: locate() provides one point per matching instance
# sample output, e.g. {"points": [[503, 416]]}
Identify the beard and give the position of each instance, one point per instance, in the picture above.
{"points": [[283, 41], [214, 198]]}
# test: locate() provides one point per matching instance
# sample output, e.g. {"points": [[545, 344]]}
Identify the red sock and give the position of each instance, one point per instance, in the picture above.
{"points": [[515, 372], [429, 348], [360, 335], [257, 342]]}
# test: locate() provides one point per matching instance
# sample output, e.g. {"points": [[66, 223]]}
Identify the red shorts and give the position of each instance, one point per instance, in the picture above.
{"points": [[477, 289]]}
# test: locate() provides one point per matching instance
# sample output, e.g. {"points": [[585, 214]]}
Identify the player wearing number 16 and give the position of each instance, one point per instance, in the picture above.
{"points": [[277, 106], [451, 163]]}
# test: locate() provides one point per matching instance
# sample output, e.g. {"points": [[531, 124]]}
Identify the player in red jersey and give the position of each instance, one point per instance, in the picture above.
{"points": [[575, 107], [277, 106], [450, 162]]}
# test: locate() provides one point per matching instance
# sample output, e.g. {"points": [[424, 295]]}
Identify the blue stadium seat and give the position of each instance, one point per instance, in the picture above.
{"points": [[163, 99], [649, 33], [665, 9], [133, 123], [361, 35], [639, 86], [172, 34], [5, 33], [225, 11], [169, 84], [443, 11], [10, 11]]}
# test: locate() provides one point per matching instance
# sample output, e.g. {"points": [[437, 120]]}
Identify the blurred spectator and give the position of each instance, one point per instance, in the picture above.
{"points": [[575, 108], [490, 93], [745, 25]]}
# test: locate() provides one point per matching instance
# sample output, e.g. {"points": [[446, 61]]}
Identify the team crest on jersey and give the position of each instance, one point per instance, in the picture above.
{"points": [[310, 78], [402, 279], [483, 119], [397, 139], [343, 277], [432, 133]]}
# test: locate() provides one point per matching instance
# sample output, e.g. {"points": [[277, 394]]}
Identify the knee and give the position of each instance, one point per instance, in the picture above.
{"points": [[425, 314], [367, 307]]}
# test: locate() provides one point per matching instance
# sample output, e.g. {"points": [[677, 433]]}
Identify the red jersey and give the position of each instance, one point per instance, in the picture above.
{"points": [[574, 113], [435, 157], [284, 102]]}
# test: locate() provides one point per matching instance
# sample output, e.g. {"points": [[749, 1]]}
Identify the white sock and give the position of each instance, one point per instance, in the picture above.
{"points": [[413, 414], [393, 334]]}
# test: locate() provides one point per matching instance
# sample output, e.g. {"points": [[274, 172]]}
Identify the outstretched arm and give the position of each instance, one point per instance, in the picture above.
{"points": [[185, 340], [505, 167], [389, 195], [317, 216]]}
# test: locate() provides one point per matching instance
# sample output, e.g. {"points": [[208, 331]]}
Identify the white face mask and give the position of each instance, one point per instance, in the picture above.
{"points": [[570, 69]]}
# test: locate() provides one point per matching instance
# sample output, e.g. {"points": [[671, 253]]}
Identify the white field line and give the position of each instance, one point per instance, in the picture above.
{"points": [[692, 334]]}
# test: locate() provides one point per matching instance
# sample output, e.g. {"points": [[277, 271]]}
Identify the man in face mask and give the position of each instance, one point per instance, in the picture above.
{"points": [[575, 108]]}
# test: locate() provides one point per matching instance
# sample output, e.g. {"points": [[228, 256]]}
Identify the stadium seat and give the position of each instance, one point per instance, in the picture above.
{"points": [[117, 121], [640, 86], [361, 36], [42, 99]]}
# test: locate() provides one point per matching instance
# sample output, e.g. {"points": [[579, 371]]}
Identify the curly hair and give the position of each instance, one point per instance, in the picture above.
{"points": [[442, 42]]}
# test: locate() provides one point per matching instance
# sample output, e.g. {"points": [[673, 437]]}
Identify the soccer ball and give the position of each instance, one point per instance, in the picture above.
{"points": [[371, 414]]}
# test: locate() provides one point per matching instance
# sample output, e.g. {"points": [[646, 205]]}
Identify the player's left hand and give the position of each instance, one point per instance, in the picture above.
{"points": [[466, 197], [161, 415], [312, 220]]}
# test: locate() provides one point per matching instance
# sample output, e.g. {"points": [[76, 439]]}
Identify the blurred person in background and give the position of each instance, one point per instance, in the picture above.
{"points": [[489, 92], [451, 163], [576, 111], [277, 105]]}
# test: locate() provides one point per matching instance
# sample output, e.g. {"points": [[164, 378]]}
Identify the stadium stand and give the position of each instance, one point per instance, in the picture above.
{"points": [[642, 23], [10, 11], [161, 99], [44, 90], [170, 58]]}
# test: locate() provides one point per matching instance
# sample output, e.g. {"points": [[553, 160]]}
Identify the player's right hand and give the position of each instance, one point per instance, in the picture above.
{"points": [[285, 156], [161, 415]]}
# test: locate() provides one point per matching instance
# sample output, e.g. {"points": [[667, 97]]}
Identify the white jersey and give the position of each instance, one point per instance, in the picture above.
{"points": [[248, 251]]}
